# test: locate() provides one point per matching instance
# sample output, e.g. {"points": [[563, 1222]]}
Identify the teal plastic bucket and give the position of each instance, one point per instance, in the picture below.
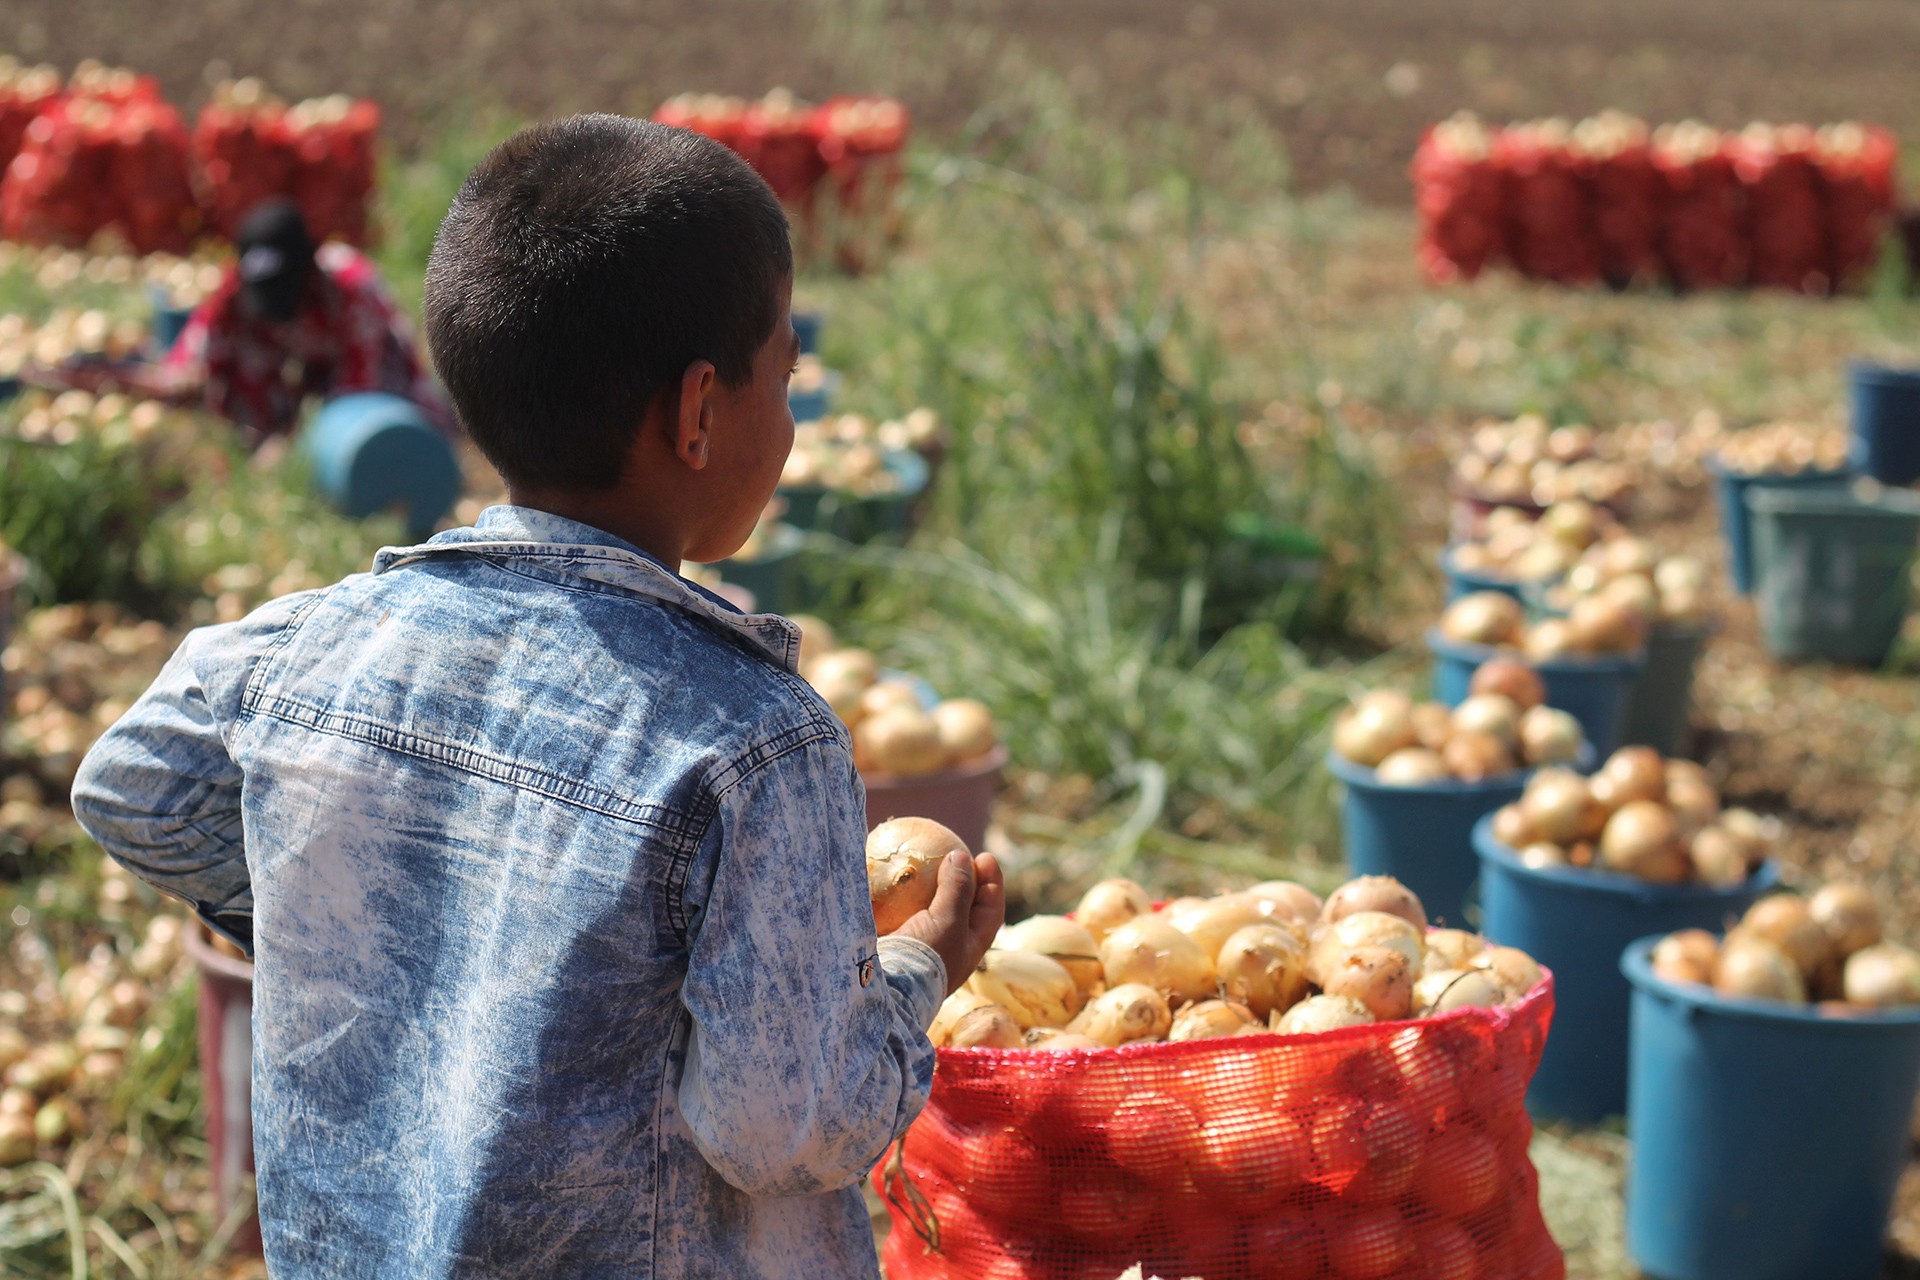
{"points": [[1834, 570], [817, 509], [1593, 690], [1422, 836], [167, 323], [1661, 699], [1886, 422], [1577, 922], [778, 576], [1464, 582], [806, 327], [1768, 1139], [1730, 489], [817, 402], [375, 452]]}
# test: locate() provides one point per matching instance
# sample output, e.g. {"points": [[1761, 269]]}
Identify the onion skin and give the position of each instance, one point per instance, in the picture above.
{"points": [[1785, 920], [903, 862], [1334, 942], [1432, 725], [966, 729], [1718, 857], [900, 740], [1514, 970], [1123, 1014], [1452, 948], [1753, 968], [1444, 990], [1511, 827], [1849, 916], [888, 695], [1483, 617], [988, 1027], [1286, 900], [1054, 1040], [1642, 839], [1555, 805], [1380, 978], [1154, 953], [1376, 726], [952, 1009], [1686, 956], [1061, 940], [1493, 714], [1514, 680], [1375, 893], [1038, 992], [1211, 921], [844, 664], [1549, 735], [1472, 757], [1212, 1019], [1882, 976], [1631, 773], [1264, 967], [1322, 1013], [1109, 904], [1412, 767]]}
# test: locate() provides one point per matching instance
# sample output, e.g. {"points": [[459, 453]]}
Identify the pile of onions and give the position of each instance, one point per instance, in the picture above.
{"points": [[1518, 548], [1825, 950], [1611, 622], [1784, 449], [894, 732], [1269, 958], [1503, 726], [1666, 590], [1640, 815], [1527, 461]]}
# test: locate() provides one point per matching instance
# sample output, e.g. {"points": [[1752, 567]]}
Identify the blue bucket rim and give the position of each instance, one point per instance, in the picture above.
{"points": [[1359, 775], [1893, 375], [1636, 964], [1721, 471], [1612, 663], [1613, 883], [1888, 503]]}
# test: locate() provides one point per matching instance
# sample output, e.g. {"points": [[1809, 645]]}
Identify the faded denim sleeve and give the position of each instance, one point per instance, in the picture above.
{"points": [[160, 792], [808, 1054]]}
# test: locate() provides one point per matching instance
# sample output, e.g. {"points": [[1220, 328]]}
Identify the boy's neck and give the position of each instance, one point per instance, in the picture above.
{"points": [[612, 512]]}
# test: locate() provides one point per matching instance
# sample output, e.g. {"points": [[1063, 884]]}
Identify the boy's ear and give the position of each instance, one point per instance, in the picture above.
{"points": [[692, 424]]}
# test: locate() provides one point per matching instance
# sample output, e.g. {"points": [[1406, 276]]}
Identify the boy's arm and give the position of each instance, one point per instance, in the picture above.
{"points": [[808, 1055]]}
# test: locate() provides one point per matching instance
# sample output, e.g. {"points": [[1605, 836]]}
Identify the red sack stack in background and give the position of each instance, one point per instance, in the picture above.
{"points": [[1458, 195], [1380, 1151], [1551, 228], [24, 93], [1624, 195], [861, 142], [1703, 236], [151, 177], [249, 146], [777, 138], [1786, 211], [1856, 164], [711, 114]]}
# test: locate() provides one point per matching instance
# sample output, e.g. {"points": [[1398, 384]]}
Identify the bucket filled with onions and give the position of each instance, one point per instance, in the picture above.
{"points": [[1588, 660], [1580, 867], [1417, 776], [1773, 1074], [1513, 549], [1773, 455], [1224, 1086]]}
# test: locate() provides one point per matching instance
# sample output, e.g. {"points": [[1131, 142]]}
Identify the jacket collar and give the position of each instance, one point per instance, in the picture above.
{"points": [[569, 547]]}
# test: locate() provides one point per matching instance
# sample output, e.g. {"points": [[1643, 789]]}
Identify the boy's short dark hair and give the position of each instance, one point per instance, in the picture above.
{"points": [[584, 265]]}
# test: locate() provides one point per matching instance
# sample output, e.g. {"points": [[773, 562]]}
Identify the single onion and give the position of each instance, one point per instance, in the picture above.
{"points": [[1452, 948], [1548, 640], [966, 729], [1883, 975], [1848, 914], [854, 664], [1494, 714], [1542, 561], [988, 1027], [1264, 966], [1432, 724], [1680, 573], [1509, 678], [1211, 1019], [1285, 900], [1144, 1135], [1381, 978], [1602, 624], [1785, 920], [1631, 773], [1688, 772], [1038, 992], [1375, 893], [1211, 921], [899, 740], [1054, 1040], [1064, 941], [843, 695], [1483, 617], [903, 862], [1123, 1014], [1752, 830], [1643, 840], [1109, 904], [1411, 767], [1718, 858], [1751, 966], [1447, 989], [1322, 1013], [1634, 592], [887, 695], [1377, 725], [1687, 956], [1555, 805], [1155, 954], [1627, 556], [1333, 942], [1549, 735], [1511, 826], [1514, 970], [1574, 522], [1542, 853], [952, 1009], [1473, 757], [1694, 803]]}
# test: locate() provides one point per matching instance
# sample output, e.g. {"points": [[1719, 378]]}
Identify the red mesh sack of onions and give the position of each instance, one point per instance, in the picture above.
{"points": [[1459, 197], [777, 138], [24, 93], [1331, 1147], [1625, 195], [1552, 235], [249, 146], [90, 164], [1856, 165], [1703, 233], [1786, 207], [712, 115]]}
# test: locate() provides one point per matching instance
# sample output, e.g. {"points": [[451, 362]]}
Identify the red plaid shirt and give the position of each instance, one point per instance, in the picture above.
{"points": [[348, 336]]}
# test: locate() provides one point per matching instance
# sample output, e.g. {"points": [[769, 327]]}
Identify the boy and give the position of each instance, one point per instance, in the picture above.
{"points": [[549, 863]]}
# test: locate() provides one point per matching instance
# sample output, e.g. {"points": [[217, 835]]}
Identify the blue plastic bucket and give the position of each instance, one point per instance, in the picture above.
{"points": [[374, 452], [1767, 1138], [1730, 489], [1834, 570], [1661, 699], [1464, 582], [1577, 922], [1593, 690], [1886, 422], [817, 403], [807, 326], [168, 320], [1422, 836]]}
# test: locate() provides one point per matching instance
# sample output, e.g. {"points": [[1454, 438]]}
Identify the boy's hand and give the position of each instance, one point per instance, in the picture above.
{"points": [[969, 905]]}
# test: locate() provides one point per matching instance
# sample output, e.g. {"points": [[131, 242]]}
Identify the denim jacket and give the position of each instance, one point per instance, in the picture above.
{"points": [[552, 873]]}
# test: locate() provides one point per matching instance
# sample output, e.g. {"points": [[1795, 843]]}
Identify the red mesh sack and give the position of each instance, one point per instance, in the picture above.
{"points": [[1786, 208], [319, 154], [334, 156], [1392, 1150], [777, 138], [1856, 166], [1703, 234], [1458, 194], [1624, 194], [24, 94], [861, 141], [88, 165], [1551, 234], [710, 114]]}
